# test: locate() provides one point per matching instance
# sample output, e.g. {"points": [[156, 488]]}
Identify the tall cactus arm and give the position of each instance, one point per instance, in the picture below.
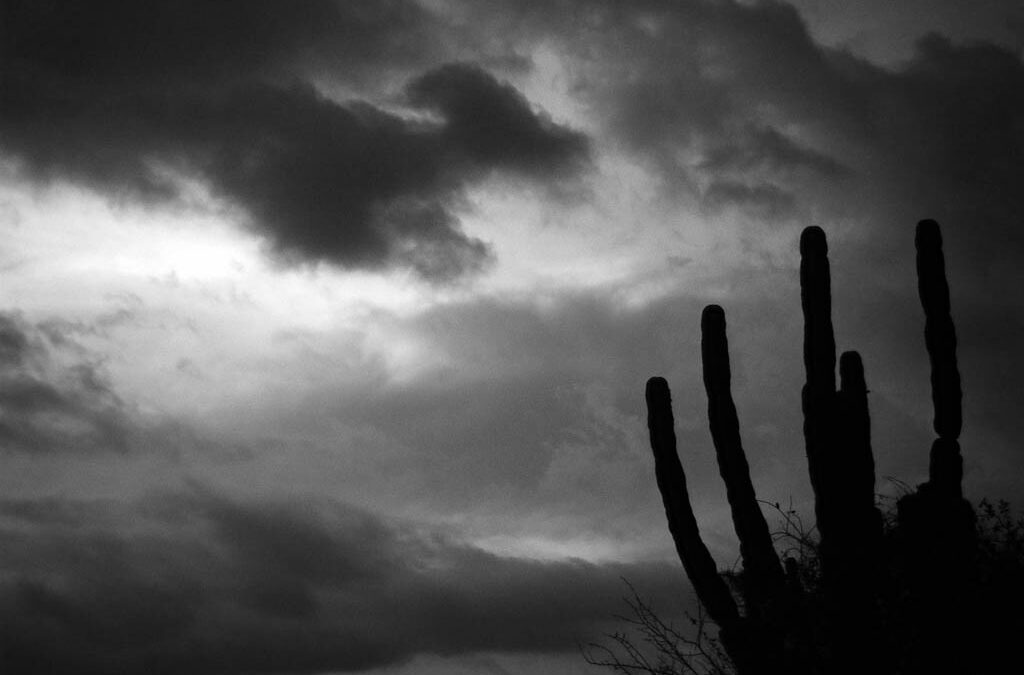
{"points": [[937, 524], [816, 299], [820, 363], [939, 333], [760, 560], [697, 561], [945, 470]]}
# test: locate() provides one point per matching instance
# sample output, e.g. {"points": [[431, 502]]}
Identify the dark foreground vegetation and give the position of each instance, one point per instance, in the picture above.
{"points": [[927, 584]]}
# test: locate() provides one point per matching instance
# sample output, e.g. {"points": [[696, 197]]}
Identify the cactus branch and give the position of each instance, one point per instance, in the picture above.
{"points": [[760, 560], [945, 469], [820, 363], [858, 463], [697, 561], [939, 333]]}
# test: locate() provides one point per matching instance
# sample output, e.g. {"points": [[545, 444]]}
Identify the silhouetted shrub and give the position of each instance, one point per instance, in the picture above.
{"points": [[648, 643]]}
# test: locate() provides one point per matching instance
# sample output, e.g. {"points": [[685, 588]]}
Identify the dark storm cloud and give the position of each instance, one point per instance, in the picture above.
{"points": [[951, 128], [127, 97], [198, 583], [940, 135], [711, 91], [703, 82], [48, 405], [493, 125]]}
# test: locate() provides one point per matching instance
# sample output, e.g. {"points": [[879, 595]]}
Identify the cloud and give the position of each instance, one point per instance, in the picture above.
{"points": [[705, 92], [492, 124], [52, 400], [526, 421], [200, 583], [60, 407], [763, 201], [129, 99], [769, 151]]}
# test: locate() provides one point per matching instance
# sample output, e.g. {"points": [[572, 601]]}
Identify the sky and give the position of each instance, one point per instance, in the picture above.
{"points": [[324, 326]]}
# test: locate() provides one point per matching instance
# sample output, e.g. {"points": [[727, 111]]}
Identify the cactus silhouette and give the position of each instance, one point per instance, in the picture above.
{"points": [[890, 597]]}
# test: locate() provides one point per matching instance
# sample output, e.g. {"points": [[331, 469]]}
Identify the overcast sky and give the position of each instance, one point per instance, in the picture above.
{"points": [[324, 327]]}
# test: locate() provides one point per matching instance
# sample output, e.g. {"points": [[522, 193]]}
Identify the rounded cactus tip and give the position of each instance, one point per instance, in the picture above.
{"points": [[656, 383], [658, 394], [851, 370], [813, 242], [851, 359], [712, 316], [928, 234]]}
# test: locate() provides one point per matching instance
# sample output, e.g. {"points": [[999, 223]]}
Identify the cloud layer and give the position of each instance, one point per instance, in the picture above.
{"points": [[508, 418], [198, 583], [52, 405], [132, 99]]}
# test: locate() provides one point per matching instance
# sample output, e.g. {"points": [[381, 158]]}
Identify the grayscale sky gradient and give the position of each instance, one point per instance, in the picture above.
{"points": [[324, 326]]}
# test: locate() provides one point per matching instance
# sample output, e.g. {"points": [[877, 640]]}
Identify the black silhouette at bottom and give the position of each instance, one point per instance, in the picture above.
{"points": [[907, 593]]}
